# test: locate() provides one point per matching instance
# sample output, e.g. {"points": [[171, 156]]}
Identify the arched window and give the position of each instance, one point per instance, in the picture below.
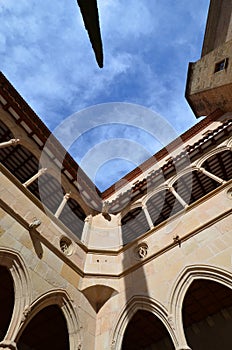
{"points": [[162, 205], [146, 331], [194, 185], [220, 165], [17, 159], [6, 300], [134, 224], [73, 217], [47, 330], [207, 315]]}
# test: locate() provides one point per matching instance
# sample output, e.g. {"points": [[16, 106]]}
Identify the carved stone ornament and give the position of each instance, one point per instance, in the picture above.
{"points": [[66, 246], [14, 141], [171, 322], [26, 312], [88, 218], [141, 251], [8, 345]]}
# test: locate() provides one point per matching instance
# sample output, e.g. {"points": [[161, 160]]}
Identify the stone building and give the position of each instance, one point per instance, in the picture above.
{"points": [[146, 265]]}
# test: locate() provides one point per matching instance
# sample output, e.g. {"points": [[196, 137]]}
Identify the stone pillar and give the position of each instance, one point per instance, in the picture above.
{"points": [[146, 212], [33, 178], [9, 143], [86, 229], [212, 176], [178, 197], [62, 204]]}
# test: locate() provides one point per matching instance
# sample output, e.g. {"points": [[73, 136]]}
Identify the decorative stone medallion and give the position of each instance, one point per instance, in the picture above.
{"points": [[141, 251], [66, 245]]}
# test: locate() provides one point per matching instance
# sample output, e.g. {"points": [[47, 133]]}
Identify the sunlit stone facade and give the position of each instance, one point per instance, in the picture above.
{"points": [[143, 265]]}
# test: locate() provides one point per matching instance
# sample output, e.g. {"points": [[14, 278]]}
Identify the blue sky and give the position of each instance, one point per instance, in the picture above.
{"points": [[46, 54]]}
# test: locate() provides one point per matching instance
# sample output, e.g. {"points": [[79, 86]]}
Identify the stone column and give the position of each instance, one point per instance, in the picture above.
{"points": [[212, 176], [146, 212], [9, 143], [62, 204], [178, 197], [86, 229], [33, 178]]}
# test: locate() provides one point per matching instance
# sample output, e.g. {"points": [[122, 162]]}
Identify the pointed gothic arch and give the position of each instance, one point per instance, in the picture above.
{"points": [[55, 302], [11, 260], [135, 304], [207, 315], [181, 285]]}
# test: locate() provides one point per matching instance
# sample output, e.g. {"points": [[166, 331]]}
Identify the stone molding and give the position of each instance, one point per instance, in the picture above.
{"points": [[212, 153], [181, 285], [61, 298], [135, 304], [22, 288]]}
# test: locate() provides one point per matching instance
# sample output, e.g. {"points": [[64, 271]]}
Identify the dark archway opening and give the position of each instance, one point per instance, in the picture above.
{"points": [[220, 165], [73, 217], [6, 300], [162, 205], [47, 330], [207, 315], [146, 332], [17, 159], [134, 224], [193, 186]]}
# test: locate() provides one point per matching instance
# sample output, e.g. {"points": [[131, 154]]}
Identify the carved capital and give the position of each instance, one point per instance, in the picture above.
{"points": [[8, 345], [14, 141], [42, 171], [200, 169], [67, 195], [26, 312], [88, 218]]}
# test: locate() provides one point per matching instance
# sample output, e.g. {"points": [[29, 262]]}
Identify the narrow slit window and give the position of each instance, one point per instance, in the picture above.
{"points": [[219, 66]]}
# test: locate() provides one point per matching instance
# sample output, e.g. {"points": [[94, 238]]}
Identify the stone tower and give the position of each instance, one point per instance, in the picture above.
{"points": [[209, 82]]}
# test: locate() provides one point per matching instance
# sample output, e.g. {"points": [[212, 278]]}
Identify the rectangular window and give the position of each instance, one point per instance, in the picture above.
{"points": [[221, 65]]}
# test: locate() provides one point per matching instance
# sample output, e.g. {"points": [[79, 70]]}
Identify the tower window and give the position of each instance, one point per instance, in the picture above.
{"points": [[221, 65]]}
